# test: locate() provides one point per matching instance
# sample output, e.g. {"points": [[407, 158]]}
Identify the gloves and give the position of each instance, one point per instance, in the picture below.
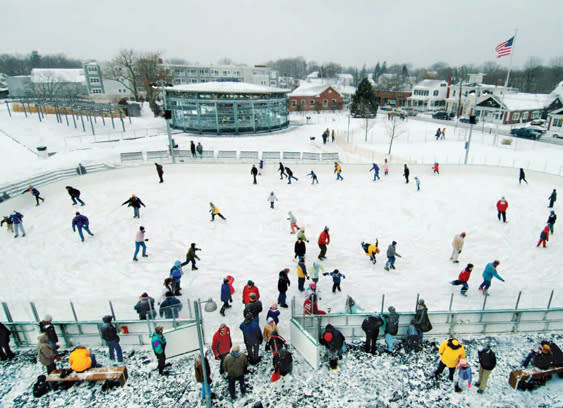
{"points": [[58, 358], [469, 385]]}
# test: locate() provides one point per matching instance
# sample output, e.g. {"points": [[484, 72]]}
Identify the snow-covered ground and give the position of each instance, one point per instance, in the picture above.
{"points": [[50, 266]]}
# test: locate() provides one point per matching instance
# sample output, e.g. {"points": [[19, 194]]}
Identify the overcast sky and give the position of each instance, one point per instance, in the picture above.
{"points": [[352, 32]]}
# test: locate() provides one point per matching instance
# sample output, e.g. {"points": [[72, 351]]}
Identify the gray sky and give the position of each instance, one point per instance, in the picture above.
{"points": [[350, 32]]}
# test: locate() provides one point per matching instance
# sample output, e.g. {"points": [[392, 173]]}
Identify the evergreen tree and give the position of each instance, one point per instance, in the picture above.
{"points": [[377, 72], [363, 101]]}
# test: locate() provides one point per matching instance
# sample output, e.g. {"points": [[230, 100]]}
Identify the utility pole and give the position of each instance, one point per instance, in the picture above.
{"points": [[161, 83], [468, 143]]}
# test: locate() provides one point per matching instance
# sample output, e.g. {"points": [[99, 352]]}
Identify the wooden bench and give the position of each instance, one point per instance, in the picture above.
{"points": [[93, 374], [528, 374]]}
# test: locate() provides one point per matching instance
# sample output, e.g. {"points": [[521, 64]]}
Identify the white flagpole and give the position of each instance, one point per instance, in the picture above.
{"points": [[511, 54], [502, 113]]}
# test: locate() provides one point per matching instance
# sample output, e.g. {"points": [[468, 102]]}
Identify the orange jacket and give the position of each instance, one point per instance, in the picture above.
{"points": [[80, 360]]}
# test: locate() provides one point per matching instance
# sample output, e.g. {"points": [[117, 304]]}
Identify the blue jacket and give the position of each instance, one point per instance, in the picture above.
{"points": [[251, 332], [225, 292], [16, 217], [464, 374], [176, 271], [79, 221], [490, 272], [375, 168], [312, 174], [336, 277], [274, 314]]}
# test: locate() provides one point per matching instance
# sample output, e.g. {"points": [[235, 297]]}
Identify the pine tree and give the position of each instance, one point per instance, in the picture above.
{"points": [[363, 101]]}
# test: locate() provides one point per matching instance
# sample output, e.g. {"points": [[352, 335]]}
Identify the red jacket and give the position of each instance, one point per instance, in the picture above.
{"points": [[221, 343], [464, 275], [247, 291], [502, 205], [546, 232], [324, 238]]}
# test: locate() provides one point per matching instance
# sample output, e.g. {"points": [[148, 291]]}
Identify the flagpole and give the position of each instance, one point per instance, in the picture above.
{"points": [[511, 54], [501, 118]]}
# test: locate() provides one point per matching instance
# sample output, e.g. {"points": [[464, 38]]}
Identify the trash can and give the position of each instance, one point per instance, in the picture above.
{"points": [[42, 152]]}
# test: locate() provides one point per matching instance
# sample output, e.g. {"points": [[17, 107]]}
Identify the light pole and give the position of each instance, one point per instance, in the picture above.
{"points": [[162, 83], [471, 123]]}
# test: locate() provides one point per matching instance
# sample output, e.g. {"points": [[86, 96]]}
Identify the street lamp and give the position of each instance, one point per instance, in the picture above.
{"points": [[471, 123], [162, 83]]}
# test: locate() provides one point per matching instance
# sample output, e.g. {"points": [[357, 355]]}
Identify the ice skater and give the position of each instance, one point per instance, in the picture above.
{"points": [[160, 172], [463, 278], [502, 206], [417, 182], [74, 195], [324, 240], [81, 222], [272, 199], [391, 254], [544, 236], [17, 220], [436, 168], [552, 198], [386, 168], [215, 211], [371, 250], [457, 245], [140, 243], [338, 171], [551, 221], [489, 273], [35, 193], [406, 173], [290, 175], [292, 222], [314, 178], [281, 169], [375, 169], [522, 176], [254, 173], [260, 167], [336, 279], [191, 256], [438, 133], [136, 203]]}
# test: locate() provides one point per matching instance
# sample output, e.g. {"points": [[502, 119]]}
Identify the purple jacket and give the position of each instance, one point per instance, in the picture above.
{"points": [[79, 221]]}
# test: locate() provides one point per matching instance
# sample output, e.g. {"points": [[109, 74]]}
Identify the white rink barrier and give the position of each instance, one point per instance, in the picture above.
{"points": [[181, 340], [305, 344]]}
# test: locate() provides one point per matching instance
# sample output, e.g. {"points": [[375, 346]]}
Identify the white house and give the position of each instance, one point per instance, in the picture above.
{"points": [[429, 94]]}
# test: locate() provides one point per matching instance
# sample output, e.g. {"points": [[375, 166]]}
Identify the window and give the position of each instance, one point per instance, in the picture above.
{"points": [[96, 91], [311, 102], [333, 102], [94, 80], [325, 102], [436, 93], [92, 69], [302, 102], [556, 123], [515, 115], [293, 103], [535, 114], [525, 115], [454, 93]]}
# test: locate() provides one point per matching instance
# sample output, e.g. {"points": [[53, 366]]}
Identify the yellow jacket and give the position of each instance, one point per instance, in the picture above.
{"points": [[80, 360], [338, 169], [215, 210], [451, 351], [372, 250], [268, 331], [300, 272]]}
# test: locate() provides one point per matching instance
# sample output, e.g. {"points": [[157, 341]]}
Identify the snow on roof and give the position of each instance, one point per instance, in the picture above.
{"points": [[57, 75], [558, 91], [226, 87], [430, 83], [315, 89], [519, 101]]}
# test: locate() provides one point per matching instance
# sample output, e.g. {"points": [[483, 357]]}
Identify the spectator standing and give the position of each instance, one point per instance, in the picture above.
{"points": [[171, 307], [199, 376], [235, 365], [249, 288], [487, 363], [158, 343], [370, 326], [421, 320], [109, 334], [391, 328], [46, 353], [5, 351], [145, 307], [451, 352], [199, 149], [226, 297], [283, 285], [221, 345]]}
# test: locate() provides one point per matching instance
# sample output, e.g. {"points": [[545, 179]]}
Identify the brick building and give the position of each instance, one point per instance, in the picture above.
{"points": [[318, 97]]}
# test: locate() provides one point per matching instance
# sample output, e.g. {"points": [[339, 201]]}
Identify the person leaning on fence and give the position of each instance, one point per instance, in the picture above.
{"points": [[46, 326], [170, 308], [109, 334], [145, 307], [421, 320], [391, 328], [370, 326]]}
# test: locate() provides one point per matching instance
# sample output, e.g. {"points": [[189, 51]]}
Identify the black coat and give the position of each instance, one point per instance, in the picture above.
{"points": [[170, 308], [283, 361], [551, 219], [283, 282], [109, 332], [145, 307], [487, 358], [421, 320], [300, 248], [337, 341], [288, 171], [4, 335], [392, 323], [371, 325], [73, 192], [556, 353], [276, 343], [252, 310], [134, 202], [406, 172], [254, 171], [45, 327]]}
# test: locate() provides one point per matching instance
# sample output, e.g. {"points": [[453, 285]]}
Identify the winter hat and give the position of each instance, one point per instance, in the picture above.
{"points": [[394, 243], [469, 265], [421, 302], [391, 309], [76, 213], [106, 319], [250, 283], [48, 318], [226, 280], [335, 271], [177, 263], [252, 295], [270, 321], [222, 326], [495, 262], [463, 234], [552, 212], [144, 295], [313, 286], [463, 362], [274, 307], [546, 349], [328, 337], [502, 198], [141, 228]]}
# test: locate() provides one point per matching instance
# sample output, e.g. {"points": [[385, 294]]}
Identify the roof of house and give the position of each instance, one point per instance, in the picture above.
{"points": [[226, 87], [430, 83], [519, 101], [57, 75], [315, 89]]}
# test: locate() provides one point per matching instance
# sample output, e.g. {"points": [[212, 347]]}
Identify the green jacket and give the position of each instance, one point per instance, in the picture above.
{"points": [[235, 364], [301, 235]]}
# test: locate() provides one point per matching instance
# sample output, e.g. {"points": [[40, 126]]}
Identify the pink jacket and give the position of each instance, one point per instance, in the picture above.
{"points": [[140, 237]]}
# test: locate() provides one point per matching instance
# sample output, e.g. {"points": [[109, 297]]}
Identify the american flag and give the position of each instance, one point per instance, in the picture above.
{"points": [[504, 48]]}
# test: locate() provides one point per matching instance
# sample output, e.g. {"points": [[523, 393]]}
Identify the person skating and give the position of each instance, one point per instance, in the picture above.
{"points": [[191, 256], [281, 169], [46, 353], [290, 175], [136, 203], [489, 273], [314, 178], [371, 250], [35, 193], [145, 307], [391, 255], [552, 198], [335, 344], [226, 297], [436, 168], [324, 240], [301, 234], [9, 223], [283, 285], [272, 199], [140, 243], [176, 274], [333, 138], [522, 176], [158, 343], [443, 136], [457, 245], [299, 248], [17, 220], [109, 334], [249, 288], [221, 344], [199, 376], [336, 279], [391, 328], [544, 236], [292, 222], [464, 376], [192, 149], [406, 173], [301, 275], [199, 149], [350, 306], [235, 365], [170, 308], [386, 168], [252, 339], [421, 321], [487, 362], [260, 167], [160, 172], [254, 173], [338, 171], [315, 271], [551, 221], [215, 211], [375, 169], [463, 278], [502, 206], [438, 133], [370, 326], [74, 195], [253, 309], [417, 182], [81, 222], [5, 351], [451, 352]]}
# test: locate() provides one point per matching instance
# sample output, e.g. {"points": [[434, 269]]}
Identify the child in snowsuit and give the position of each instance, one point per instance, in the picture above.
{"points": [[271, 199], [292, 222], [215, 211], [417, 181], [274, 313], [336, 278], [463, 376], [463, 278], [314, 178], [35, 193], [544, 236]]}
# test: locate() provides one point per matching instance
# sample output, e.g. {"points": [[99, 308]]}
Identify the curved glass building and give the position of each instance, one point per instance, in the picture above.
{"points": [[227, 107]]}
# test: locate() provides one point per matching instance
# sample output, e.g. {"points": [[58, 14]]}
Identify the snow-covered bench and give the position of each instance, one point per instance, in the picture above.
{"points": [[118, 374], [131, 156], [530, 378]]}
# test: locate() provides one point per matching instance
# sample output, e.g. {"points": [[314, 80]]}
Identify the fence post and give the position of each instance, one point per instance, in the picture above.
{"points": [[516, 315], [550, 299], [382, 302], [7, 312], [8, 106], [546, 327], [416, 304], [34, 311], [200, 341], [75, 317], [190, 309], [450, 307], [517, 300]]}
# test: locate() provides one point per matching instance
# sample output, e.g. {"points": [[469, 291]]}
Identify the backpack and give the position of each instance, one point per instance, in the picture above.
{"points": [[41, 387]]}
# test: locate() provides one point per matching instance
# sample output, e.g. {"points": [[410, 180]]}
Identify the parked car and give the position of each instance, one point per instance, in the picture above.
{"points": [[441, 115], [466, 120], [399, 112], [526, 133], [411, 111], [558, 135], [385, 108]]}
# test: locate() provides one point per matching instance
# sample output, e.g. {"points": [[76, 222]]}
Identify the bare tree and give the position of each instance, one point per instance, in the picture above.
{"points": [[149, 70], [48, 85], [123, 69], [394, 128]]}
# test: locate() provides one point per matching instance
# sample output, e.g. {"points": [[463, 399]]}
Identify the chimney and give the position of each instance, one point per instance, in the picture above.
{"points": [[449, 85]]}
